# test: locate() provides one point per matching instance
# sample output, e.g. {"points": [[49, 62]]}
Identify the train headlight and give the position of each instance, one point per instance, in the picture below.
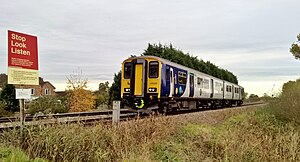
{"points": [[152, 89], [127, 89]]}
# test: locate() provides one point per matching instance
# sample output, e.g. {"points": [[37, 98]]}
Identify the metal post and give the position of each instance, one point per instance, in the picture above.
{"points": [[116, 112], [22, 107]]}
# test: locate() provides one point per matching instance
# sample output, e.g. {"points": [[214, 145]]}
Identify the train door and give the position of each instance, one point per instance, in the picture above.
{"points": [[191, 85], [232, 91], [171, 82], [137, 81], [212, 88], [138, 88]]}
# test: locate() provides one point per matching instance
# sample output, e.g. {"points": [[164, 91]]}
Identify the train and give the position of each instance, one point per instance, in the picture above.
{"points": [[154, 83]]}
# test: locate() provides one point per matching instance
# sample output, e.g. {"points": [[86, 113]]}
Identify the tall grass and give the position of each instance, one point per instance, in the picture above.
{"points": [[248, 137], [95, 143]]}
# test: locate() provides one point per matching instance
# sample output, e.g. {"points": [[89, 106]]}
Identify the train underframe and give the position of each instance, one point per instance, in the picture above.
{"points": [[175, 104]]}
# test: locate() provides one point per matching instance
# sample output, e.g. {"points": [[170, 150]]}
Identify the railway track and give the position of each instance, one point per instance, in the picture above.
{"points": [[85, 117], [62, 115]]}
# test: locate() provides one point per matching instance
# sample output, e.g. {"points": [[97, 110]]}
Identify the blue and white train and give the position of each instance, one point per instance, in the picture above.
{"points": [[150, 82]]}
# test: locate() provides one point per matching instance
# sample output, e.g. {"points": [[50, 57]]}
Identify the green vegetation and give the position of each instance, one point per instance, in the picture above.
{"points": [[47, 105], [7, 95], [295, 48], [9, 154], [115, 89], [287, 106], [102, 95], [177, 56], [8, 103]]}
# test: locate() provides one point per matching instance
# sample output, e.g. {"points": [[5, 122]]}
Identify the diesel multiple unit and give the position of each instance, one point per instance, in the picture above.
{"points": [[150, 82]]}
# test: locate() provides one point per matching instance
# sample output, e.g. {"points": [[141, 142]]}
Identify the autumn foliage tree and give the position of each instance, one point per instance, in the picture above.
{"points": [[79, 99]]}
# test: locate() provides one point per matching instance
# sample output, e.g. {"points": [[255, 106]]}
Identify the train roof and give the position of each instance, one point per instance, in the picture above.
{"points": [[176, 65]]}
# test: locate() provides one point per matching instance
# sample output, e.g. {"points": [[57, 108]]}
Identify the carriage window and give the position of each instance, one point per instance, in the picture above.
{"points": [[228, 88], [200, 82], [206, 83], [181, 77], [127, 70], [236, 90], [153, 69], [167, 73]]}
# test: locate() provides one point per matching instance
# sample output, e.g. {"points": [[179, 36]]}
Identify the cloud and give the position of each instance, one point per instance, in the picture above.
{"points": [[249, 38]]}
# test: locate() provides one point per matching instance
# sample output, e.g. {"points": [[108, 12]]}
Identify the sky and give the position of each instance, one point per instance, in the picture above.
{"points": [[249, 38]]}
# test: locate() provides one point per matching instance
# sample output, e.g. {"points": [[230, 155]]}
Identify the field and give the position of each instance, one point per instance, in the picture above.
{"points": [[244, 134]]}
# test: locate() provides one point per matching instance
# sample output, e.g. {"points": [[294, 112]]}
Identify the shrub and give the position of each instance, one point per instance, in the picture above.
{"points": [[49, 104], [287, 106], [3, 112], [8, 97]]}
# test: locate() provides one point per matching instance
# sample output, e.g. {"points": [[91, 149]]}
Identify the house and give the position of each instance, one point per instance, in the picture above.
{"points": [[44, 88]]}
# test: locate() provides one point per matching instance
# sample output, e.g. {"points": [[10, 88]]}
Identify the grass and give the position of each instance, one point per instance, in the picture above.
{"points": [[236, 136], [10, 154]]}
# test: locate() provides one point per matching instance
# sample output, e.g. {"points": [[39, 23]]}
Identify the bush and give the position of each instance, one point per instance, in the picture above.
{"points": [[47, 105], [8, 97], [287, 106], [3, 112]]}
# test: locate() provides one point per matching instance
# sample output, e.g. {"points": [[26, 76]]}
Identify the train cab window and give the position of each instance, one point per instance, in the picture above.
{"points": [[127, 70], [181, 77], [153, 69]]}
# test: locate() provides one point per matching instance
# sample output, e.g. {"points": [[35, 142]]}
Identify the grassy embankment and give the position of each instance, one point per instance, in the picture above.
{"points": [[223, 135]]}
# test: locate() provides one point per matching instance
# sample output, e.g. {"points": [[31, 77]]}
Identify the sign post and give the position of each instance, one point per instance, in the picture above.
{"points": [[22, 64], [22, 94]]}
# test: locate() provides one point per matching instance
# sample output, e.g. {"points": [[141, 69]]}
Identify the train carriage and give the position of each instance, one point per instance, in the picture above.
{"points": [[150, 82]]}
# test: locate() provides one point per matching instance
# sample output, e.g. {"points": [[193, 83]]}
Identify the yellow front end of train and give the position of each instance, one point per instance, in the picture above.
{"points": [[140, 83]]}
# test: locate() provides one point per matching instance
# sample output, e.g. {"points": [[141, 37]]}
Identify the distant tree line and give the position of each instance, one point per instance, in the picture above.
{"points": [[185, 59]]}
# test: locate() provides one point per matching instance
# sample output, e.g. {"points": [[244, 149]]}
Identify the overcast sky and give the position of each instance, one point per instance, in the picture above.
{"points": [[249, 38]]}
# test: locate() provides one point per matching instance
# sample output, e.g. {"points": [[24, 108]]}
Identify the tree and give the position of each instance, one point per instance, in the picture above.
{"points": [[79, 99], [253, 97], [295, 48], [7, 96], [103, 87], [245, 95], [101, 95], [115, 89], [290, 86], [185, 59]]}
